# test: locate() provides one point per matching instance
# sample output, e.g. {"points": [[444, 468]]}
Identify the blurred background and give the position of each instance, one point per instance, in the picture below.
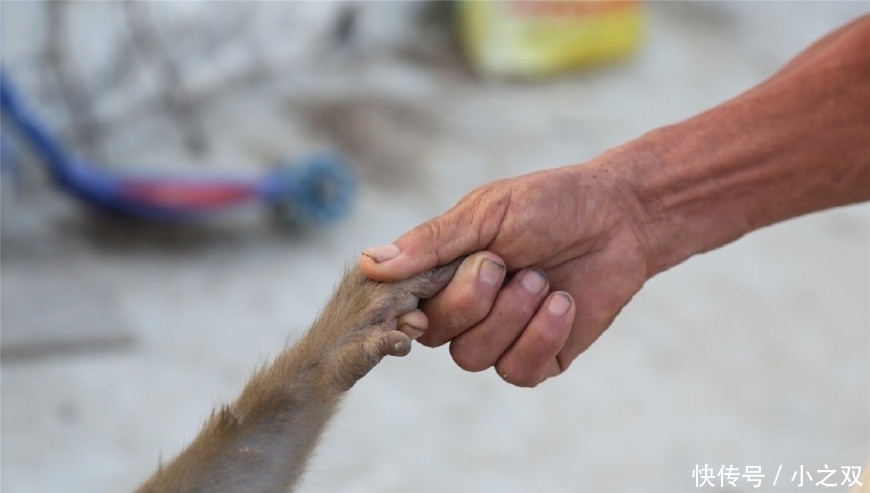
{"points": [[120, 334]]}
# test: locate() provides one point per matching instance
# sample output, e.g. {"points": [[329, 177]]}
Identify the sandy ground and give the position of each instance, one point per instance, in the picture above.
{"points": [[754, 355]]}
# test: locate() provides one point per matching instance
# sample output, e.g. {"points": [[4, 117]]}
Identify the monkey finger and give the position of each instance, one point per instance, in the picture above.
{"points": [[394, 343], [533, 357], [413, 324], [466, 300]]}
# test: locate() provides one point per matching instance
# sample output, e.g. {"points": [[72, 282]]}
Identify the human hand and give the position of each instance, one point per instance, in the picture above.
{"points": [[594, 233], [552, 258]]}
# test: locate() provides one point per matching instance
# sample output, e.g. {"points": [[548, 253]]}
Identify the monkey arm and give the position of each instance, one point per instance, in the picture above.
{"points": [[260, 442]]}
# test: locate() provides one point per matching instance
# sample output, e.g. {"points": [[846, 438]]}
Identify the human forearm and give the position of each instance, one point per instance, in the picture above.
{"points": [[797, 143]]}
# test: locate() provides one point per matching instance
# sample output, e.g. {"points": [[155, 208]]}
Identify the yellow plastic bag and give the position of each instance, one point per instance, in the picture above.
{"points": [[535, 38]]}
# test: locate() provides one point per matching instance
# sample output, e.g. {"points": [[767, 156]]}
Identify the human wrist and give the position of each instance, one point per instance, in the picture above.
{"points": [[686, 200], [796, 143]]}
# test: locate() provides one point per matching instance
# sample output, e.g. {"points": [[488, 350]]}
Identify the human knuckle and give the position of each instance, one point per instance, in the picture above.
{"points": [[523, 380], [459, 309], [518, 374], [429, 339], [518, 309], [437, 333], [472, 308], [433, 229], [467, 360]]}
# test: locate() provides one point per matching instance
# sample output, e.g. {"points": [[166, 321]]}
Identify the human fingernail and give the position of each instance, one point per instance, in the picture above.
{"points": [[534, 280], [382, 253], [559, 304], [491, 272]]}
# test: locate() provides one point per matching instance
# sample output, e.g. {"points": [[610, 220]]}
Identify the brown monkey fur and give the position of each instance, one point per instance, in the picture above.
{"points": [[260, 442]]}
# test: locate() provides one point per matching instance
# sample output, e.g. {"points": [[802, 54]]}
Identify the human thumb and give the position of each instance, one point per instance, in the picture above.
{"points": [[433, 243]]}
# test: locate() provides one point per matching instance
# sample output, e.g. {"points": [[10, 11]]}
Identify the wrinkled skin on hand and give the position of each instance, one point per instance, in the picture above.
{"points": [[554, 257]]}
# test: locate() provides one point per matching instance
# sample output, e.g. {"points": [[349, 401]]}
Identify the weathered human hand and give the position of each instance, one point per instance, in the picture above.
{"points": [[553, 257], [576, 243]]}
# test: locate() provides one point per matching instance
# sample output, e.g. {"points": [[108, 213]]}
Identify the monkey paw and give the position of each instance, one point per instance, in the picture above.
{"points": [[361, 319]]}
